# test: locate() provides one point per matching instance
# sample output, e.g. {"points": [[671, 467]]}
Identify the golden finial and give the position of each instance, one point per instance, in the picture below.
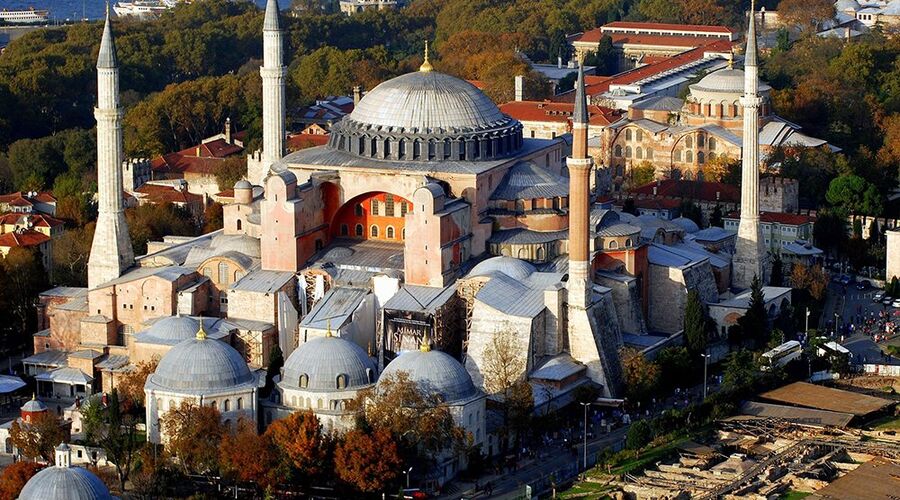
{"points": [[328, 328], [426, 344], [33, 396], [370, 352], [731, 59], [426, 65], [201, 333]]}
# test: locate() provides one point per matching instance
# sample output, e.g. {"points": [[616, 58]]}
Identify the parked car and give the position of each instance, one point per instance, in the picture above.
{"points": [[896, 303], [878, 297], [887, 300]]}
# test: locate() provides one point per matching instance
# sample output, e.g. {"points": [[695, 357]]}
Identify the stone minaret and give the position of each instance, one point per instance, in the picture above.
{"points": [[750, 253], [111, 252], [273, 74], [579, 164]]}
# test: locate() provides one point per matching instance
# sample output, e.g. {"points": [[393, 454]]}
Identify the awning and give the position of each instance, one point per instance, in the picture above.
{"points": [[10, 383], [69, 376]]}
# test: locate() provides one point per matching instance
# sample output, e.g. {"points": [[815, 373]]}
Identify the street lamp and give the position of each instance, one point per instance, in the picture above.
{"points": [[705, 363], [585, 405], [807, 321], [407, 477]]}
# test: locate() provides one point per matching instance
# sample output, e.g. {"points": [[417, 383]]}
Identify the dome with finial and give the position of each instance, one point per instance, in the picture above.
{"points": [[201, 365], [316, 365], [34, 405], [64, 482], [435, 372]]}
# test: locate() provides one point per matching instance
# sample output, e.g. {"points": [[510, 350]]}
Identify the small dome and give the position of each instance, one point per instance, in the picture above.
{"points": [[34, 406], [510, 266], [726, 81], [435, 372], [201, 365], [243, 184], [689, 226], [64, 483], [847, 6], [171, 329], [239, 243], [322, 359]]}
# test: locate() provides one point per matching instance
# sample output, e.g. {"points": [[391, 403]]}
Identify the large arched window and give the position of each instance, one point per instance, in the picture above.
{"points": [[240, 403], [342, 381], [304, 381], [613, 244], [638, 153], [639, 135], [227, 405], [627, 151], [627, 134], [375, 206], [711, 143], [223, 273], [649, 153], [700, 140], [389, 232], [618, 151], [359, 230], [688, 142], [373, 231], [539, 255], [676, 156], [688, 157], [238, 224], [701, 159]]}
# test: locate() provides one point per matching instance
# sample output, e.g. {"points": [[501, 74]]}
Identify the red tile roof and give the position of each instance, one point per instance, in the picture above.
{"points": [[37, 219], [690, 190], [478, 84], [668, 26], [594, 36], [156, 193], [547, 111], [23, 238], [779, 218], [296, 142], [602, 84], [657, 203], [201, 159], [228, 193]]}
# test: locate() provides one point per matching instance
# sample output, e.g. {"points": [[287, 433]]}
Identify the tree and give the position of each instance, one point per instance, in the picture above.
{"points": [[605, 59], [119, 438], [22, 278], [754, 323], [213, 217], [248, 456], [854, 195], [639, 434], [131, 385], [14, 477], [229, 171], [641, 173], [69, 256], [300, 444], [720, 167], [808, 15], [777, 278], [367, 461], [276, 361], [695, 324], [691, 211], [504, 375], [676, 366], [38, 438], [739, 371], [716, 218], [640, 376], [830, 231], [151, 222], [194, 433]]}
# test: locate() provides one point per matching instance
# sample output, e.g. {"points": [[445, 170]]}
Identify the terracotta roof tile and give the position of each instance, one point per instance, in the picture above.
{"points": [[156, 193], [691, 190], [25, 238], [188, 160], [669, 26], [548, 111], [779, 218], [296, 142]]}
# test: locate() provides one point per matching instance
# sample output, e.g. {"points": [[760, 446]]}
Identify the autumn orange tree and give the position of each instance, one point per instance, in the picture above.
{"points": [[367, 461], [38, 438], [194, 433], [248, 456], [301, 445], [131, 385], [14, 477]]}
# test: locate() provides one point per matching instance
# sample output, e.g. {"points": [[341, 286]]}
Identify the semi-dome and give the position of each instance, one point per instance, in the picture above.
{"points": [[64, 483], [172, 329], [435, 372], [34, 406], [514, 268], [427, 116], [727, 81], [201, 365], [317, 364]]}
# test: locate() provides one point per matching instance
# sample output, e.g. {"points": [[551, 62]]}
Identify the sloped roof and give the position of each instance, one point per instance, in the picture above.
{"points": [[167, 194], [334, 308], [420, 298], [23, 238], [826, 398], [202, 158], [691, 190], [526, 180], [660, 103], [558, 112]]}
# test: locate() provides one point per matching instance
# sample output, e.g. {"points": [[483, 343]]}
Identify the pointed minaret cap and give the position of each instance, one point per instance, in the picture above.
{"points": [[426, 343], [271, 21], [750, 52], [426, 66], [580, 114], [107, 56], [201, 333]]}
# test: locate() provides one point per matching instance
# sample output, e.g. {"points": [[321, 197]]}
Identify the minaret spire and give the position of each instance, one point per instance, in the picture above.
{"points": [[579, 164], [273, 74], [750, 253], [111, 251]]}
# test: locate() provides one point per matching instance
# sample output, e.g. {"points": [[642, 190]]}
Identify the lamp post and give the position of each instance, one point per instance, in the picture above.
{"points": [[705, 363], [807, 321], [407, 477], [584, 458]]}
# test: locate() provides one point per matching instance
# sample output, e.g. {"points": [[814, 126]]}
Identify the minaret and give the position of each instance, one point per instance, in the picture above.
{"points": [[273, 75], [111, 252], [579, 164], [750, 253]]}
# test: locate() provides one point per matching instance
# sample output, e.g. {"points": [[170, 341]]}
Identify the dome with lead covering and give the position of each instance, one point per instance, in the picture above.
{"points": [[514, 268], [201, 365], [316, 365], [65, 483], [435, 372], [724, 81], [427, 116]]}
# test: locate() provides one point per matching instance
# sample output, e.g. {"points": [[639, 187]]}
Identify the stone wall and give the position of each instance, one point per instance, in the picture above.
{"points": [[626, 297], [668, 293], [487, 322], [893, 254]]}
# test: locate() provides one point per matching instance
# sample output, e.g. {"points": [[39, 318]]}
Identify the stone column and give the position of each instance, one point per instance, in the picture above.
{"points": [[273, 74]]}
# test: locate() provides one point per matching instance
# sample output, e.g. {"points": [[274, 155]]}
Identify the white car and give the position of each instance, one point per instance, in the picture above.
{"points": [[896, 303]]}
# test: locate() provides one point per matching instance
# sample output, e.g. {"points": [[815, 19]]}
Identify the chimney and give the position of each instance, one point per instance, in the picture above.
{"points": [[847, 33], [228, 130], [357, 95], [197, 152], [559, 62], [520, 88]]}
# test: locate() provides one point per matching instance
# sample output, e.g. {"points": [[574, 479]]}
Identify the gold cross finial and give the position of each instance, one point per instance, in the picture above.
{"points": [[731, 59], [426, 343], [426, 65], [201, 333], [328, 328]]}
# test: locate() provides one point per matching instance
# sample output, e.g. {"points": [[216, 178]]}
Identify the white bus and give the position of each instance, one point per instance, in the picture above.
{"points": [[782, 355]]}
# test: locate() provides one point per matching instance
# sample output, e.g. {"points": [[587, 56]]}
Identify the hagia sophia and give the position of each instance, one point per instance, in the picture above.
{"points": [[426, 226]]}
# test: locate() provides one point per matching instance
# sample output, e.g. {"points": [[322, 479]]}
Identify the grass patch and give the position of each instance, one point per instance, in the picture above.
{"points": [[888, 423], [586, 488], [794, 495]]}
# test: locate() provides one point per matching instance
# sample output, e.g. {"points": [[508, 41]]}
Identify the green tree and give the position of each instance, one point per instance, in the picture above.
{"points": [[716, 218], [777, 277], [695, 324], [119, 438], [22, 278], [640, 375], [754, 323], [830, 231], [691, 211], [739, 371], [855, 196], [605, 59], [151, 222], [639, 434], [676, 366]]}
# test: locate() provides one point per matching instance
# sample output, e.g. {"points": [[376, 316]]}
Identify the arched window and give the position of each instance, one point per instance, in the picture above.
{"points": [[700, 140], [523, 253], [342, 381], [628, 242], [613, 244], [374, 147], [417, 149], [370, 375], [358, 210], [688, 142], [403, 234], [226, 406], [345, 230], [711, 143], [618, 151], [359, 230], [638, 153], [223, 273], [711, 156], [304, 381], [627, 151], [238, 224], [240, 403], [389, 232], [649, 153], [688, 157], [373, 231], [389, 205], [214, 405], [319, 403], [539, 255], [701, 159], [375, 206], [677, 155], [627, 134], [639, 135]]}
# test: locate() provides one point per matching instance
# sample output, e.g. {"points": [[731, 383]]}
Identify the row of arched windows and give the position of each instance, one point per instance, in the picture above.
{"points": [[481, 147], [638, 152], [226, 404], [374, 231], [340, 381]]}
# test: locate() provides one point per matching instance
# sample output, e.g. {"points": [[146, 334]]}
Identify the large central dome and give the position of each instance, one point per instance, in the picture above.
{"points": [[427, 116], [427, 101]]}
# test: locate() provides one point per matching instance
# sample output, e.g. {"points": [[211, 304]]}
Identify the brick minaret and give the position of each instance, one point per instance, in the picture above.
{"points": [[111, 252], [273, 75], [750, 253], [579, 164]]}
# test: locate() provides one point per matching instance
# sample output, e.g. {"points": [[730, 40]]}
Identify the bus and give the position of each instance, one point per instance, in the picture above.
{"points": [[781, 355]]}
